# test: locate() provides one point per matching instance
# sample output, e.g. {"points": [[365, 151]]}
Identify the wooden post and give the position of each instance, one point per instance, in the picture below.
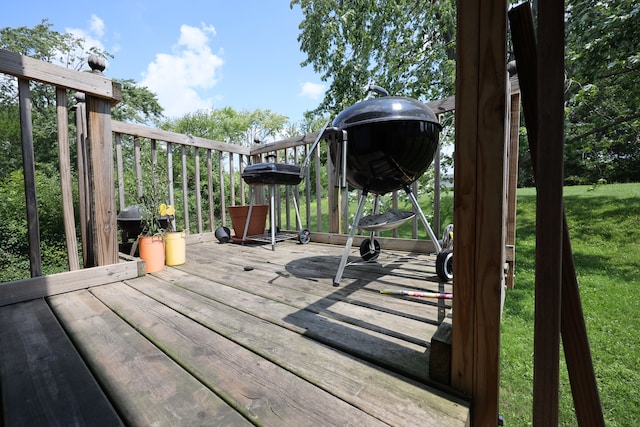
{"points": [[574, 334], [316, 160], [334, 199], [479, 213], [104, 251], [29, 174]]}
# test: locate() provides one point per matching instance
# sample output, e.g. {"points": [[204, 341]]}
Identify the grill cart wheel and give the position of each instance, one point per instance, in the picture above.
{"points": [[365, 249], [304, 236], [444, 264]]}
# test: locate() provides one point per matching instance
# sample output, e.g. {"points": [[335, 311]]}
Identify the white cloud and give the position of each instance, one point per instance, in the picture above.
{"points": [[91, 38], [179, 78], [96, 25], [312, 90]]}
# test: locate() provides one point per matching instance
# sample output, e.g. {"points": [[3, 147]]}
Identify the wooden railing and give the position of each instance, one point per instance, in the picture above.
{"points": [[207, 175], [202, 177], [97, 210]]}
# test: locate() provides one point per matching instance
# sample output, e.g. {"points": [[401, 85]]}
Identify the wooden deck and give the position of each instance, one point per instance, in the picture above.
{"points": [[239, 335]]}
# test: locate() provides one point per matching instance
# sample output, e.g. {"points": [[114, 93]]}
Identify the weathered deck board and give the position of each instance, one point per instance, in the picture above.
{"points": [[147, 386], [43, 380], [211, 343], [364, 385], [258, 388], [394, 353]]}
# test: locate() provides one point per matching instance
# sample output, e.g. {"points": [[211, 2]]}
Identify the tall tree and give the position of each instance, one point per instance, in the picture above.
{"points": [[228, 125], [406, 46], [603, 98]]}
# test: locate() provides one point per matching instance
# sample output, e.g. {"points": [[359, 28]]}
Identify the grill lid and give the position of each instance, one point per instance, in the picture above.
{"points": [[382, 109]]}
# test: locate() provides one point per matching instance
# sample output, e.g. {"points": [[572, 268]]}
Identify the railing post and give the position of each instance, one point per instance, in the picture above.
{"points": [[102, 212]]}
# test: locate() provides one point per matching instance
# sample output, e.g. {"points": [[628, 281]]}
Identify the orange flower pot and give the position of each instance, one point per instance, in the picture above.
{"points": [[257, 222], [152, 252]]}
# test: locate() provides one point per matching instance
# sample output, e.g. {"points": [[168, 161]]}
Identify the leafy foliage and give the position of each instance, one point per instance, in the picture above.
{"points": [[406, 46], [603, 99], [228, 125], [14, 251]]}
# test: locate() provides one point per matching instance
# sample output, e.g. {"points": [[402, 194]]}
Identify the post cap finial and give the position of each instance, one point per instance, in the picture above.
{"points": [[97, 63]]}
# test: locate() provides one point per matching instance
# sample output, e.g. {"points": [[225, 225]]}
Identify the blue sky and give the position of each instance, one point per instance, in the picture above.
{"points": [[193, 54]]}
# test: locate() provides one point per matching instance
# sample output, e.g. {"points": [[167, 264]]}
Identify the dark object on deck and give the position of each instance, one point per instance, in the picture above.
{"points": [[129, 222], [223, 234]]}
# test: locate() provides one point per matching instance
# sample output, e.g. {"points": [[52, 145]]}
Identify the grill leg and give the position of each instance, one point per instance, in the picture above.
{"points": [[352, 232], [246, 224], [418, 209], [272, 216]]}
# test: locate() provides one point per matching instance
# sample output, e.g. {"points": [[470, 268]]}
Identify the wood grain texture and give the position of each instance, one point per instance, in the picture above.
{"points": [[480, 203], [173, 137], [144, 383], [29, 175], [575, 340], [33, 69], [38, 287], [64, 158], [44, 380], [103, 213], [275, 344]]}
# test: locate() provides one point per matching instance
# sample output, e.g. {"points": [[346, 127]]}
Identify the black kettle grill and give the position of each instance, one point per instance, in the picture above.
{"points": [[385, 144]]}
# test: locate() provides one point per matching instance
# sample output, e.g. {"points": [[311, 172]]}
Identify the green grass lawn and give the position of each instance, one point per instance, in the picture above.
{"points": [[604, 225]]}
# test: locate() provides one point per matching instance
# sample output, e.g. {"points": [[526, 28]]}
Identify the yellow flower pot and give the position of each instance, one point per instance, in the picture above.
{"points": [[175, 248]]}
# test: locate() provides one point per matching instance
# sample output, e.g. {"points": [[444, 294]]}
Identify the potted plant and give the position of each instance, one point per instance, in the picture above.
{"points": [[174, 241], [151, 241]]}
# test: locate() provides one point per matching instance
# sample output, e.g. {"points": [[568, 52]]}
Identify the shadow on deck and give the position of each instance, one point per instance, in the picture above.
{"points": [[237, 335]]}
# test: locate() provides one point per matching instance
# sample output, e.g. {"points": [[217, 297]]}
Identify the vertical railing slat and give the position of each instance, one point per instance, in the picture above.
{"points": [[66, 191], [29, 171], [138, 166], [170, 183], [232, 180], [120, 171], [223, 205], [196, 163], [185, 195], [83, 176], [212, 218], [316, 161]]}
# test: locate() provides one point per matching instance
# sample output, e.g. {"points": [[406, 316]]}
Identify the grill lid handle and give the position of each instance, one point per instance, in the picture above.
{"points": [[369, 88]]}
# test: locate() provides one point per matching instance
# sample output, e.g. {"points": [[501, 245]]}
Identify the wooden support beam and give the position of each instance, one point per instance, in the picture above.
{"points": [[480, 198], [549, 173], [575, 340]]}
